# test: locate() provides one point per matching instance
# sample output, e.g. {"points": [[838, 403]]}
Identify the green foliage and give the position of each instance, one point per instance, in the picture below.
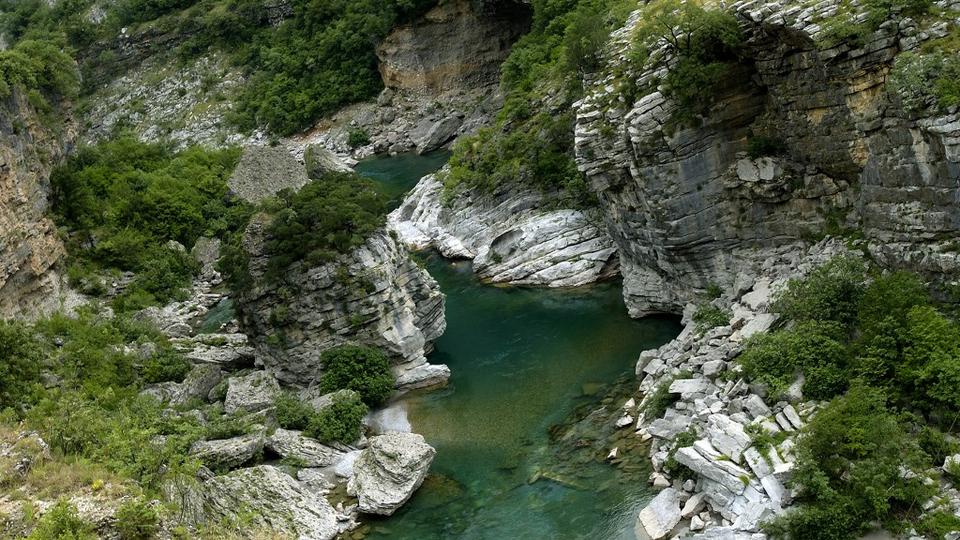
{"points": [[938, 524], [849, 462], [317, 61], [848, 27], [125, 200], [327, 217], [137, 520], [358, 137], [61, 522], [927, 81], [707, 43], [831, 292], [362, 369], [709, 316], [38, 65], [20, 361], [661, 399], [341, 421], [813, 348], [531, 143], [165, 365], [292, 413]]}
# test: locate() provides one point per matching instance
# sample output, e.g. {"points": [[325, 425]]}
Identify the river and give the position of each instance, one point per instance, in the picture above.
{"points": [[523, 428]]}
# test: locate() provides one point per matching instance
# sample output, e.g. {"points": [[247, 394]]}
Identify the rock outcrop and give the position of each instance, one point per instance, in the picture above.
{"points": [[389, 470], [459, 44], [688, 208], [265, 170], [375, 296], [270, 498], [510, 236], [29, 245]]}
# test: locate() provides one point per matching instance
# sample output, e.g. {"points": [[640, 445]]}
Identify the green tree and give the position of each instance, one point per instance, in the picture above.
{"points": [[21, 358], [363, 369]]}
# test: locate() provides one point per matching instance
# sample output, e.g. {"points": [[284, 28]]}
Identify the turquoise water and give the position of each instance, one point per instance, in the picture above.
{"points": [[397, 175], [523, 428]]}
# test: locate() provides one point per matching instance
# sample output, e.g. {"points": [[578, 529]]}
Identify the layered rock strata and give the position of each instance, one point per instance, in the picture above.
{"points": [[687, 207], [510, 237], [29, 245]]}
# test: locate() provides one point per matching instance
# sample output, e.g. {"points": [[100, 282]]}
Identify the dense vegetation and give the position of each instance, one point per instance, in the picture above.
{"points": [[339, 422], [39, 66], [531, 142], [124, 202], [890, 361], [315, 61], [849, 26]]}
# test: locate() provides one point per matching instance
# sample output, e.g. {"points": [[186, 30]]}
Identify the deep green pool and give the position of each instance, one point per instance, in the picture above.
{"points": [[523, 428], [396, 175]]}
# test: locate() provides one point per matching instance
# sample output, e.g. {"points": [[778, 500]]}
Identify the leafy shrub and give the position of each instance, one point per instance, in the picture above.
{"points": [[358, 137], [938, 524], [341, 421], [137, 520], [20, 361], [812, 348], [849, 463], [292, 413], [61, 522], [325, 218], [165, 365], [831, 292], [362, 369], [38, 64]]}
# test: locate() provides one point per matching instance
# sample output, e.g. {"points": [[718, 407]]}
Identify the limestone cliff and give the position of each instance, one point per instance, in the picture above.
{"points": [[512, 236], [688, 208], [375, 296], [457, 45], [29, 246]]}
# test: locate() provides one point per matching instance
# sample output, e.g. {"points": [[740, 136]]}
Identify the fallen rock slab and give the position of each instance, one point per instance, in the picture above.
{"points": [[389, 470], [659, 517]]}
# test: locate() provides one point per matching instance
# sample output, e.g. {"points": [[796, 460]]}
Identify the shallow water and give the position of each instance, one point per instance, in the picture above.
{"points": [[522, 430]]}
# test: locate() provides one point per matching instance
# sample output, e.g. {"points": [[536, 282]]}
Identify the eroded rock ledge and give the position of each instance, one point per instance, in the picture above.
{"points": [[511, 237], [373, 296]]}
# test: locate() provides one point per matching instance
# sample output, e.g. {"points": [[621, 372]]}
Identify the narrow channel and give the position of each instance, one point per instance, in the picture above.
{"points": [[523, 428]]}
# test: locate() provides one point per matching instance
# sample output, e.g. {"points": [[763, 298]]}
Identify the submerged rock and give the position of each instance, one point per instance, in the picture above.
{"points": [[268, 497], [389, 470]]}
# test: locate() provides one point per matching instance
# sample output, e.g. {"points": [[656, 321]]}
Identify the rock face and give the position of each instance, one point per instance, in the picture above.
{"points": [[251, 393], [509, 236], [687, 207], [265, 170], [29, 245], [458, 44], [389, 470], [270, 498], [374, 296]]}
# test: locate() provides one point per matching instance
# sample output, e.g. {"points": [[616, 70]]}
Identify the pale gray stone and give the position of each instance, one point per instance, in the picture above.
{"points": [[389, 470]]}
